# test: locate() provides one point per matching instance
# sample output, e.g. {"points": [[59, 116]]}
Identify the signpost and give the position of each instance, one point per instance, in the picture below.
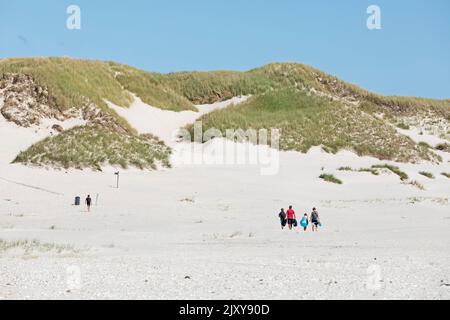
{"points": [[117, 174]]}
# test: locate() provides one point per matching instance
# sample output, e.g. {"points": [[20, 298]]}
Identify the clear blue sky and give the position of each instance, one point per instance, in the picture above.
{"points": [[410, 55]]}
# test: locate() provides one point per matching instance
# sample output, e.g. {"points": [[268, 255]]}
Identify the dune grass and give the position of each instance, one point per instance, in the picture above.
{"points": [[402, 175], [71, 81], [415, 184], [446, 174], [214, 86], [300, 75], [311, 107], [427, 174], [445, 147], [307, 120], [149, 88], [330, 178], [94, 147], [29, 246], [345, 169], [403, 126], [208, 87], [373, 171]]}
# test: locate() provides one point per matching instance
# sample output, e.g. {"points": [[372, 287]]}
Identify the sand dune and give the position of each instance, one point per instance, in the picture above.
{"points": [[164, 123]]}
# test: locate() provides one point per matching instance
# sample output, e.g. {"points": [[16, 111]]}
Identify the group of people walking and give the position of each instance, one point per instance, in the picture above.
{"points": [[289, 218]]}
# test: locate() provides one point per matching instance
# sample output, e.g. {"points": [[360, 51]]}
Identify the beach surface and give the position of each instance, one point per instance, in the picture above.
{"points": [[211, 231]]}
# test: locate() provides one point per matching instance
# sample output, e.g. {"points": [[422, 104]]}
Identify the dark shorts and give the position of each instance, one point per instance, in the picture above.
{"points": [[315, 222], [292, 222]]}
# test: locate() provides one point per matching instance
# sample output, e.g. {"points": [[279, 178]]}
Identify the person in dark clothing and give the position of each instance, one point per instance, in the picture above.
{"points": [[315, 219], [282, 216], [88, 203]]}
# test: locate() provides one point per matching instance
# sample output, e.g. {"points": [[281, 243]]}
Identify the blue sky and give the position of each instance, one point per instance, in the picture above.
{"points": [[410, 55]]}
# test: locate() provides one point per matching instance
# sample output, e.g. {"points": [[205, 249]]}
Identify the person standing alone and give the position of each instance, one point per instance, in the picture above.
{"points": [[88, 203]]}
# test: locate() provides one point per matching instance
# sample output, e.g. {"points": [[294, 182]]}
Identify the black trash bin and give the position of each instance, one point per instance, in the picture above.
{"points": [[77, 201]]}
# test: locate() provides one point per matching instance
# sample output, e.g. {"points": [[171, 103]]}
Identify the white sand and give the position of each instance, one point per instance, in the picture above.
{"points": [[219, 226], [422, 136], [165, 123], [15, 139]]}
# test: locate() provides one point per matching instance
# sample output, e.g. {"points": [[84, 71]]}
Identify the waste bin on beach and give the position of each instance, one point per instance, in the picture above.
{"points": [[77, 201]]}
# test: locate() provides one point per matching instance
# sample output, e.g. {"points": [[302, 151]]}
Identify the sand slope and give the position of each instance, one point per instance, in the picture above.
{"points": [[165, 123]]}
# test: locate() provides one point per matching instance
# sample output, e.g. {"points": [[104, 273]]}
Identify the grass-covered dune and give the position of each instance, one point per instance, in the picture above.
{"points": [[307, 120], [214, 86], [310, 107], [71, 81], [94, 147], [207, 87]]}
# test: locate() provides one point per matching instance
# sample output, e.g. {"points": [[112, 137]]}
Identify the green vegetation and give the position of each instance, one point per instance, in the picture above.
{"points": [[427, 174], [149, 89], [416, 184], [29, 246], [209, 87], [424, 145], [443, 147], [404, 126], [371, 170], [310, 107], [93, 147], [446, 174], [330, 178], [403, 176], [307, 120], [71, 81]]}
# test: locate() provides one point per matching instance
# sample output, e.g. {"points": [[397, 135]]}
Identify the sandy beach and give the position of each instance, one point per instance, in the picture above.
{"points": [[212, 231]]}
